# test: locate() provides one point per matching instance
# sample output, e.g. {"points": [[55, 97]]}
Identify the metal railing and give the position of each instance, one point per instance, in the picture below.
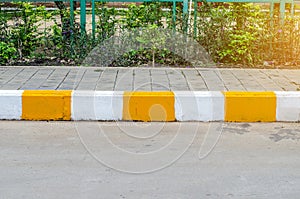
{"points": [[185, 8]]}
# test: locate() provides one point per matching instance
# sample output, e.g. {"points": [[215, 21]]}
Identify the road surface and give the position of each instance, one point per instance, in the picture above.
{"points": [[98, 160]]}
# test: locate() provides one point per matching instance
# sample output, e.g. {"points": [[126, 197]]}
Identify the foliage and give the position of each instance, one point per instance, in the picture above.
{"points": [[107, 22], [22, 38], [154, 39], [7, 52], [148, 18], [143, 15], [25, 35], [236, 31]]}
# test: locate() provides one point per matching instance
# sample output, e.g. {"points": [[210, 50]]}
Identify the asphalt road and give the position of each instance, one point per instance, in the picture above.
{"points": [[149, 160]]}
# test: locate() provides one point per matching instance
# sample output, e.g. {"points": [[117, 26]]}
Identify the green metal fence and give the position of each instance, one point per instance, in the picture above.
{"points": [[185, 7], [187, 15]]}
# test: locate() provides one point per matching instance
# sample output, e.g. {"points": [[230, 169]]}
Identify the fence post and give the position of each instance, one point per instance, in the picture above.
{"points": [[282, 11], [271, 24], [174, 15], [185, 15], [93, 20], [292, 8], [82, 16], [72, 24], [195, 18]]}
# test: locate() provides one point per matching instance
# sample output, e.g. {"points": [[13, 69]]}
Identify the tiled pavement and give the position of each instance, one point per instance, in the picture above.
{"points": [[148, 79]]}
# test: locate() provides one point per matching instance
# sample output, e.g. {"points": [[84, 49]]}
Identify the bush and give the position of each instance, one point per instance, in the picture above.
{"points": [[236, 30], [7, 52], [25, 35], [235, 33]]}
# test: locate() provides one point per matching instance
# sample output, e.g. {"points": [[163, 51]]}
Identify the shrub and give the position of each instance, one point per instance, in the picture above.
{"points": [[25, 35], [236, 32], [7, 52]]}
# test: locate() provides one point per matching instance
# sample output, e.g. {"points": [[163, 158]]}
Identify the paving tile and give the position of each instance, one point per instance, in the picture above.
{"points": [[148, 79]]}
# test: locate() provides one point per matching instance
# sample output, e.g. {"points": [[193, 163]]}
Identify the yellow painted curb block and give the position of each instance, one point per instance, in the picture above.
{"points": [[250, 106], [46, 105], [148, 106]]}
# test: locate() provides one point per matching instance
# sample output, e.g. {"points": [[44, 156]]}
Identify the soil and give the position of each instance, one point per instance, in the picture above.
{"points": [[58, 62], [270, 66]]}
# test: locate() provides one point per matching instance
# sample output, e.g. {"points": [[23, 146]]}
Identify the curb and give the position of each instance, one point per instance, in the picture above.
{"points": [[229, 106]]}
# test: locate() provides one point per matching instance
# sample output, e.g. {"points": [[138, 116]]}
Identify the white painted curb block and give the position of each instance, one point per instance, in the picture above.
{"points": [[97, 105], [288, 106], [10, 104], [199, 106]]}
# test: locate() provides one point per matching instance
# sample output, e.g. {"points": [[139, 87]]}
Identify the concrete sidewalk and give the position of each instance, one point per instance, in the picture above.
{"points": [[148, 79]]}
